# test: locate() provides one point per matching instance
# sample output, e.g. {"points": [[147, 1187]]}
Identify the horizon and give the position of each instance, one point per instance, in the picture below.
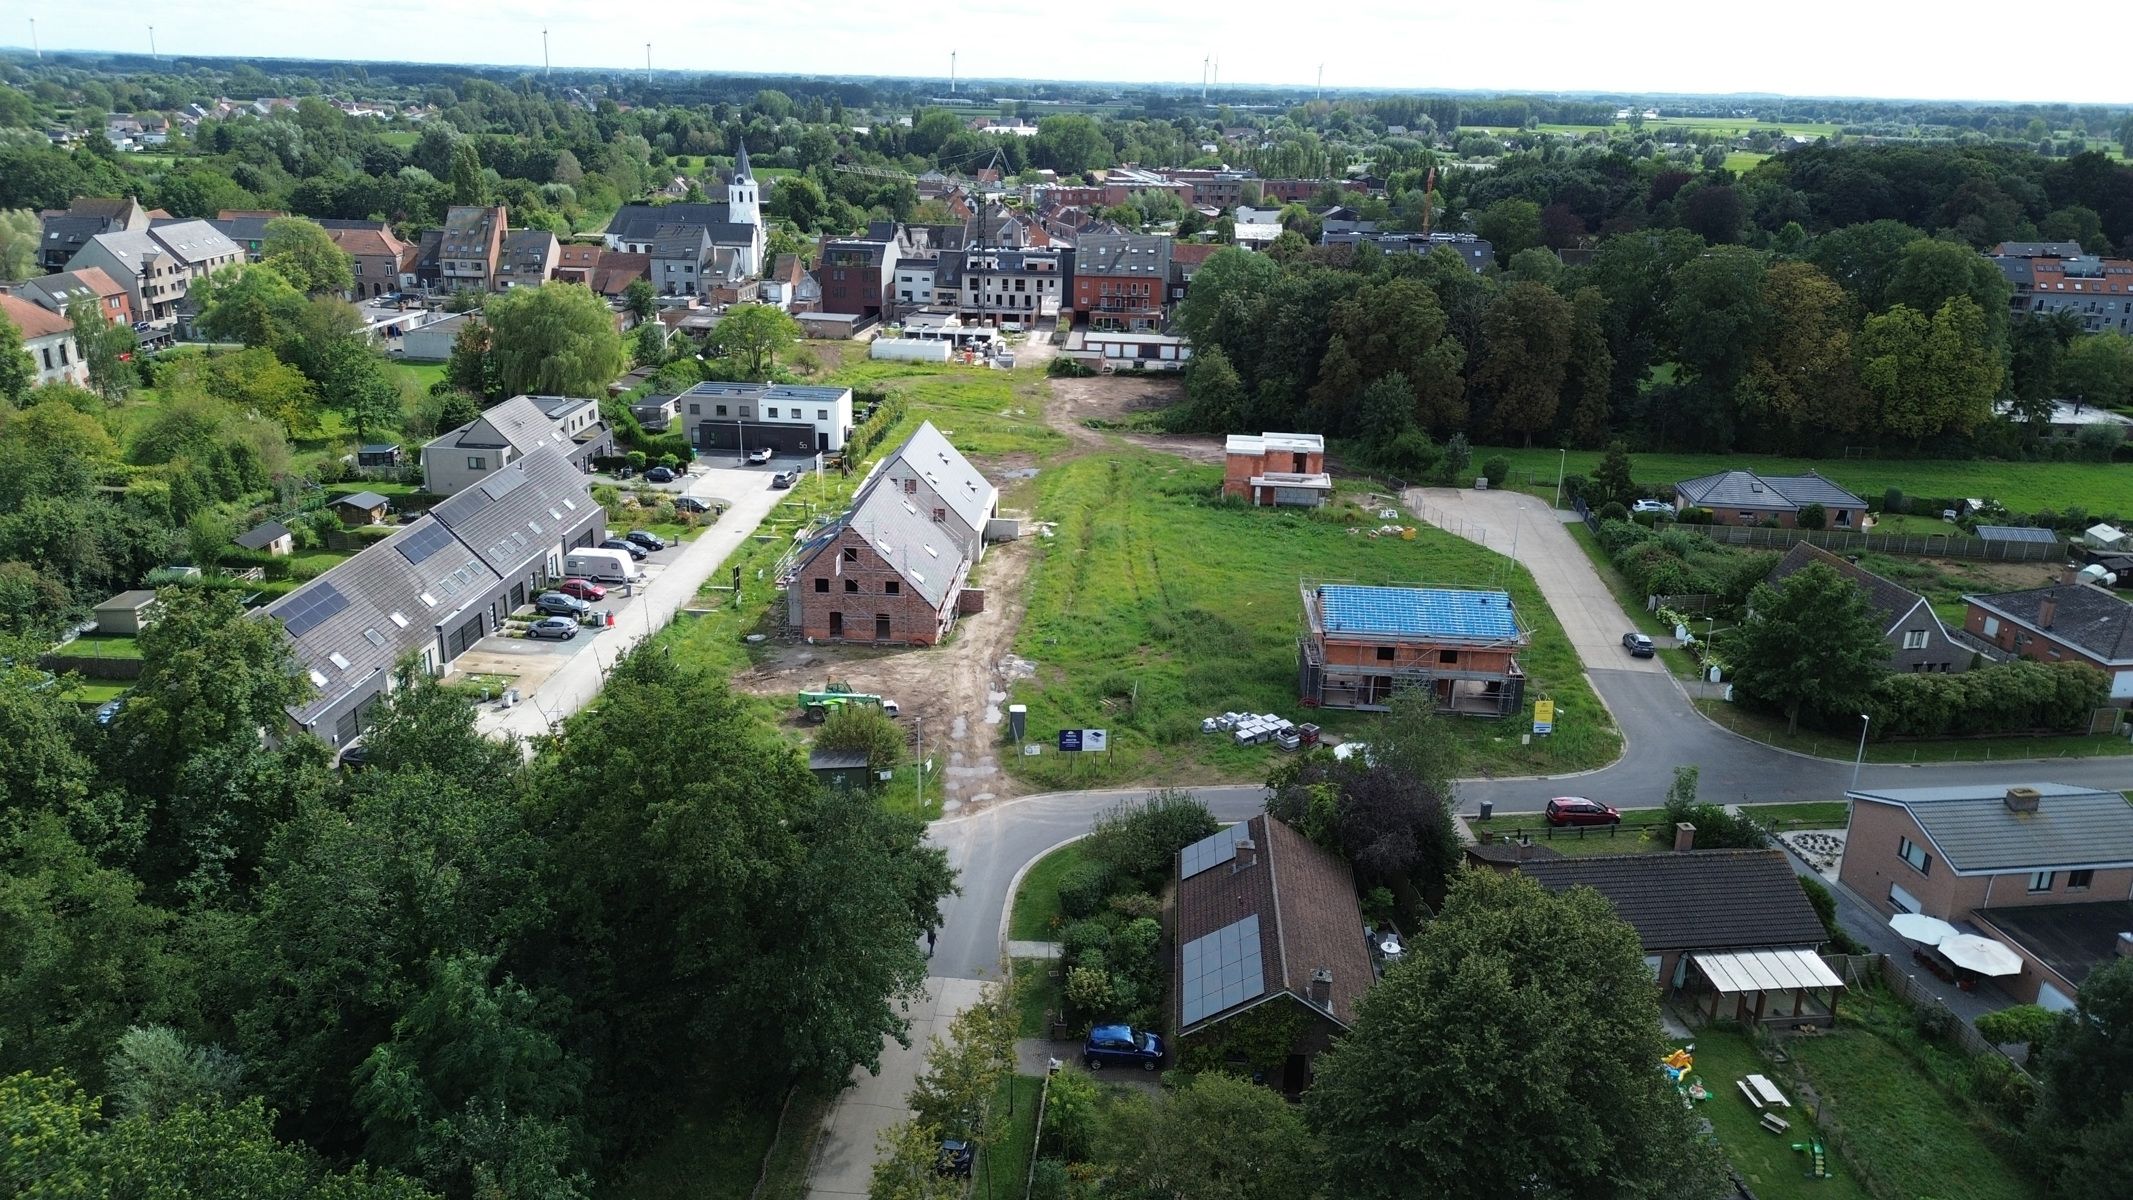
{"points": [[1676, 49]]}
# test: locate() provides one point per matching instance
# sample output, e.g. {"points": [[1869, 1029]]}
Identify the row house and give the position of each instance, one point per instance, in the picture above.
{"points": [[856, 273], [527, 259], [64, 231], [157, 265], [1121, 281], [471, 248], [378, 260], [48, 340], [58, 292]]}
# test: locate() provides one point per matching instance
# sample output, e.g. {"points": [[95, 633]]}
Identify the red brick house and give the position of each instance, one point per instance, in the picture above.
{"points": [[2066, 622], [1277, 468], [377, 254], [1363, 645], [891, 570], [1121, 280], [1745, 498]]}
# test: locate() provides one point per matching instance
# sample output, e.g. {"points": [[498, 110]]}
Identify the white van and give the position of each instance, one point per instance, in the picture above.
{"points": [[602, 566]]}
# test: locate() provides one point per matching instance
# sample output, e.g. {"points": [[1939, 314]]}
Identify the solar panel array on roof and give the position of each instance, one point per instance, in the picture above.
{"points": [[312, 609], [1211, 851], [424, 542], [1222, 970], [501, 483], [2015, 533]]}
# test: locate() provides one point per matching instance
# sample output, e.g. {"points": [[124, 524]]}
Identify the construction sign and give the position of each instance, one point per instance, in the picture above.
{"points": [[1544, 716]]}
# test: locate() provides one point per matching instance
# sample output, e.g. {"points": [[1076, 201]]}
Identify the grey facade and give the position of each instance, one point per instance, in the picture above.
{"points": [[1474, 251], [432, 589], [502, 435]]}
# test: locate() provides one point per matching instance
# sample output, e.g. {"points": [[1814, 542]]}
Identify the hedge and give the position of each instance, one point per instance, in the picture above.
{"points": [[2015, 697]]}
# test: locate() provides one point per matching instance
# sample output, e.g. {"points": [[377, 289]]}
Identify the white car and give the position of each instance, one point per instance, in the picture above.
{"points": [[1651, 506], [760, 454]]}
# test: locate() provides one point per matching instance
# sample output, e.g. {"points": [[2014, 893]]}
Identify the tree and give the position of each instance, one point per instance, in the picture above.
{"points": [[1213, 393], [466, 182], [1552, 991], [907, 1156], [1931, 273], [867, 730], [557, 339], [1070, 144], [1397, 325], [210, 675], [1802, 380], [20, 235], [106, 349], [1510, 226], [2029, 1025], [1810, 644], [1386, 409], [799, 199], [155, 1070], [358, 383], [754, 333], [255, 381], [1863, 259], [639, 301], [18, 372], [958, 1090], [473, 368], [1527, 335], [304, 254], [1928, 376], [247, 303], [1588, 380], [2037, 346], [1139, 839], [2098, 370], [2083, 1122], [1217, 1138]]}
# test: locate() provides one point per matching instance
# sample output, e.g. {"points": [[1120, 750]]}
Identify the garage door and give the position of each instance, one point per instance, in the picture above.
{"points": [[729, 435]]}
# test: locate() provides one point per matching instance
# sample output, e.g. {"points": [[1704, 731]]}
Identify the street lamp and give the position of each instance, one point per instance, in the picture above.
{"points": [[1864, 720], [1560, 463]]}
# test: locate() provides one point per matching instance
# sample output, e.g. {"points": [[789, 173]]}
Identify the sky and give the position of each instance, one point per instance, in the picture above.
{"points": [[1881, 48]]}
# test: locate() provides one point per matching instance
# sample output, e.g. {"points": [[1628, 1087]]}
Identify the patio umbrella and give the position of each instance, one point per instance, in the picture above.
{"points": [[1981, 954], [1918, 927]]}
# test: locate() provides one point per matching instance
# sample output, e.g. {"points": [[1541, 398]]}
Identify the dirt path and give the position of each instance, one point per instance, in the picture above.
{"points": [[1114, 399]]}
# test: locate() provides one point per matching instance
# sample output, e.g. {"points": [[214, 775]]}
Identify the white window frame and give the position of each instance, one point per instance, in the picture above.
{"points": [[1914, 639], [2041, 882]]}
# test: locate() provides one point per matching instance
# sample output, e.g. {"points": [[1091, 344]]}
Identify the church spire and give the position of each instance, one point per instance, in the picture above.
{"points": [[740, 162]]}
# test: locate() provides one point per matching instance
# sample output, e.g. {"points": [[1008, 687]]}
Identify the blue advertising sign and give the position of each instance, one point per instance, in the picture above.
{"points": [[1069, 741]]}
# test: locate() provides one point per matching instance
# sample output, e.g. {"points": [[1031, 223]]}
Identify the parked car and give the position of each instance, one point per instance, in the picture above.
{"points": [[583, 589], [659, 475], [690, 504], [784, 479], [556, 604], [955, 1160], [560, 628], [1123, 1045], [1577, 810], [1638, 645], [1651, 506], [636, 551], [760, 454], [109, 710], [646, 538]]}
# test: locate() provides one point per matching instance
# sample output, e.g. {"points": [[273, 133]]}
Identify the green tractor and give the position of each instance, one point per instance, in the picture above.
{"points": [[833, 695]]}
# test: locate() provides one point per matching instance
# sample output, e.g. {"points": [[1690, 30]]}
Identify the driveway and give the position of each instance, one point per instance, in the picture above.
{"points": [[573, 684], [1508, 521]]}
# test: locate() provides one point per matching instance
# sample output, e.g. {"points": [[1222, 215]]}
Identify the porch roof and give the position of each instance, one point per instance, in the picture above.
{"points": [[1766, 971]]}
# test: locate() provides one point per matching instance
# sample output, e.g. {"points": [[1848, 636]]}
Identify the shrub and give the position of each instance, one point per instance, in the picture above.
{"points": [[1078, 940], [1614, 510], [1693, 515], [1825, 906], [1136, 904], [636, 460], [1496, 470], [1933, 1022], [1575, 486], [867, 730], [1892, 501], [1062, 367], [1089, 989], [1082, 888], [1995, 1084], [1813, 516], [1138, 839], [2030, 1025]]}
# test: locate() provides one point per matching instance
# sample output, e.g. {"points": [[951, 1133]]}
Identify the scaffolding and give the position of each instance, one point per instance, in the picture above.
{"points": [[1402, 663]]}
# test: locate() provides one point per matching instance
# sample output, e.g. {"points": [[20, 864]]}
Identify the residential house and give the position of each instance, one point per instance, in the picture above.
{"points": [[2066, 622], [157, 266], [2044, 867], [472, 248], [914, 283], [993, 286], [855, 273], [48, 339], [1917, 640], [789, 286], [433, 342], [428, 264], [1264, 917], [528, 258], [2058, 277], [66, 230], [361, 508], [1707, 919], [507, 432], [273, 538], [681, 260], [933, 477], [247, 227], [735, 227], [1277, 469], [1745, 498], [58, 292], [789, 418], [1255, 235], [1476, 252], [1185, 261], [1362, 645], [575, 262], [887, 571], [376, 258], [125, 614], [432, 589], [616, 270], [1121, 281]]}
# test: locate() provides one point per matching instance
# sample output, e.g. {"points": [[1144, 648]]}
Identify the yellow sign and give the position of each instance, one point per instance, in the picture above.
{"points": [[1544, 712]]}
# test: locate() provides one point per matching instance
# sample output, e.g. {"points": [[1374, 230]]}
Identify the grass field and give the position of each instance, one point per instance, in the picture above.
{"points": [[1772, 1169], [2022, 487], [421, 374], [1155, 606], [1899, 1126], [97, 645], [1036, 903], [1740, 162], [91, 693], [982, 411], [1003, 1167], [401, 139], [1036, 996]]}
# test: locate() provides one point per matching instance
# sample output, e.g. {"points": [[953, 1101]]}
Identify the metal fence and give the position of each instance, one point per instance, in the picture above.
{"points": [[1920, 545]]}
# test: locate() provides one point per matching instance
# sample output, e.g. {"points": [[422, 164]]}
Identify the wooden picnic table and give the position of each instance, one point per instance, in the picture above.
{"points": [[1768, 1091]]}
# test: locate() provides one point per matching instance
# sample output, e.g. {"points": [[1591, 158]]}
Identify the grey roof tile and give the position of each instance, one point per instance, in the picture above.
{"points": [[1695, 900], [1974, 831]]}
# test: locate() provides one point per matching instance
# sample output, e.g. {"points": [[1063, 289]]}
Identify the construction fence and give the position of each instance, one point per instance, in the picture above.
{"points": [[1917, 545]]}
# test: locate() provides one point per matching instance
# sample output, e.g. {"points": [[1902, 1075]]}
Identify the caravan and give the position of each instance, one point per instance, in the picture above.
{"points": [[602, 566]]}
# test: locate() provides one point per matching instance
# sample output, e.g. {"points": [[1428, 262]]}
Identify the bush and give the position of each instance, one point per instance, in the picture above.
{"points": [[1496, 470], [1693, 515], [1614, 510], [1133, 905], [1076, 941], [1892, 501], [1062, 367], [1139, 839], [1082, 888], [1824, 903], [635, 459], [867, 730], [2029, 1025], [2013, 697], [1995, 1084], [1933, 1022], [1813, 516], [1574, 486]]}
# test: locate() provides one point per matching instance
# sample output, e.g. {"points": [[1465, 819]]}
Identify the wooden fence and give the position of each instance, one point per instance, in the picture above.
{"points": [[1920, 545], [1858, 969]]}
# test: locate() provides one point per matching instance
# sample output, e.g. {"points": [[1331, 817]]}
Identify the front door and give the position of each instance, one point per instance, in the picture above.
{"points": [[836, 624], [881, 627]]}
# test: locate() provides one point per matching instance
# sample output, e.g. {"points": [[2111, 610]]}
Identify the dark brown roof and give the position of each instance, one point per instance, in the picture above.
{"points": [[612, 277], [579, 254], [1308, 915], [2087, 618], [1892, 600], [2072, 939], [1697, 899]]}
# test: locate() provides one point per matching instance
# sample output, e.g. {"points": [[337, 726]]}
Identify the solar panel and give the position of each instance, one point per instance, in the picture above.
{"points": [[1222, 970], [311, 609], [1211, 851], [496, 486], [426, 540]]}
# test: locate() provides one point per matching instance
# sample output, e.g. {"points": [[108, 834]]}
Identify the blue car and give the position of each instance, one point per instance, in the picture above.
{"points": [[1121, 1045]]}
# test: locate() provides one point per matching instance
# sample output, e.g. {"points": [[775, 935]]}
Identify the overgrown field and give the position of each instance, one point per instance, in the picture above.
{"points": [[1154, 605], [2022, 487], [984, 412]]}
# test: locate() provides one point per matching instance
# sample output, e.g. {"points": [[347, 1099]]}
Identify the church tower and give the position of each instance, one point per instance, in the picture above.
{"points": [[743, 201]]}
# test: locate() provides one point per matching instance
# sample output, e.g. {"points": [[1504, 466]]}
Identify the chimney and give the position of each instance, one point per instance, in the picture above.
{"points": [[2071, 575], [1321, 993], [2125, 945], [2022, 799], [1684, 837], [2047, 610]]}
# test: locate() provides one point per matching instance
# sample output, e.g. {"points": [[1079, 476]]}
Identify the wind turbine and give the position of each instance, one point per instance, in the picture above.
{"points": [[546, 70], [33, 39], [152, 43]]}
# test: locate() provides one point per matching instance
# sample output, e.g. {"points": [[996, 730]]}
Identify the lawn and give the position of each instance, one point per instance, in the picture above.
{"points": [[97, 645], [2022, 487], [1767, 1162], [91, 694], [981, 410], [1036, 905], [1154, 605], [1770, 730], [1037, 996], [1003, 1168], [477, 685], [1742, 161], [1645, 831], [402, 139], [420, 373], [1897, 1123]]}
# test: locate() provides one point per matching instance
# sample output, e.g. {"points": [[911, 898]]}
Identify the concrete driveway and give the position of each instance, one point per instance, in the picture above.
{"points": [[1508, 521]]}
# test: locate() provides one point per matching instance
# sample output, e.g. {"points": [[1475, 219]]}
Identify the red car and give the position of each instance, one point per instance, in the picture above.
{"points": [[583, 589], [1577, 810]]}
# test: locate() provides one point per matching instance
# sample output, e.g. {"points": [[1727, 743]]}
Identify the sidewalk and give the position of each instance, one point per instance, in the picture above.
{"points": [[574, 684], [843, 1165]]}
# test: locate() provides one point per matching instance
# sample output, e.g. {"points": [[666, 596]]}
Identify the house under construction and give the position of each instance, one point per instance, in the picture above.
{"points": [[1361, 645]]}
